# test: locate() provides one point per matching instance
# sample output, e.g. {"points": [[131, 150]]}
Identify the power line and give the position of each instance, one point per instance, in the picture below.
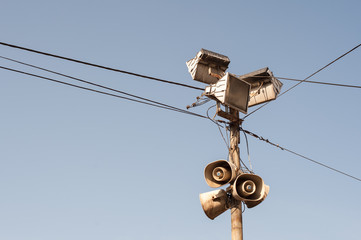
{"points": [[302, 156], [173, 109], [324, 83], [159, 105], [105, 93], [94, 84], [99, 66], [313, 74], [316, 82]]}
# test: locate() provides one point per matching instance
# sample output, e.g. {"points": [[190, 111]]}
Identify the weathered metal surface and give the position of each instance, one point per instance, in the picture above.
{"points": [[208, 67], [264, 86]]}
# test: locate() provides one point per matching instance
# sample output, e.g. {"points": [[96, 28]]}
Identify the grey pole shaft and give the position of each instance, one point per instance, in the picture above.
{"points": [[234, 157]]}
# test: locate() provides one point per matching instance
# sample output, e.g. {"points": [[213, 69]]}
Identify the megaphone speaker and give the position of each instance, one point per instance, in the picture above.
{"points": [[250, 189], [214, 203], [219, 173]]}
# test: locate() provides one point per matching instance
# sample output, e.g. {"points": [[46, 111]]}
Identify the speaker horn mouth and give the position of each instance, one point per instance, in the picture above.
{"points": [[221, 174], [248, 188]]}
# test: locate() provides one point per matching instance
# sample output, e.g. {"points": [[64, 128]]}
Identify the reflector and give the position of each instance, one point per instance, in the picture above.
{"points": [[264, 86], [208, 66], [231, 91]]}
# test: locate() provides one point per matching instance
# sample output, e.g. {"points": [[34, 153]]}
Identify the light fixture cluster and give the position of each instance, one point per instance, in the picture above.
{"points": [[238, 92]]}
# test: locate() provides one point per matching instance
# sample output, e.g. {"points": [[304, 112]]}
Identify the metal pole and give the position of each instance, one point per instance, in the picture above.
{"points": [[234, 157]]}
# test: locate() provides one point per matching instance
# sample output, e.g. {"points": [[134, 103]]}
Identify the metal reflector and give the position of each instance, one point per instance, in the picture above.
{"points": [[208, 66], [264, 86], [230, 91]]}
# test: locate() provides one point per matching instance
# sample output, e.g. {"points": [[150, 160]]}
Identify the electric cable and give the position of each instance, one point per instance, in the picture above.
{"points": [[324, 83], [91, 83], [218, 125], [300, 155], [184, 85], [101, 92], [299, 80], [225, 141], [193, 114], [99, 66], [249, 156], [313, 74]]}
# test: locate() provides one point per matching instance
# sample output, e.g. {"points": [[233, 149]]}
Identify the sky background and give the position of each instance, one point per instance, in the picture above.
{"points": [[80, 165]]}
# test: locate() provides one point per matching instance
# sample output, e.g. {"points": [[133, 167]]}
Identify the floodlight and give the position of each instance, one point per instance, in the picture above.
{"points": [[208, 66], [230, 91], [264, 86]]}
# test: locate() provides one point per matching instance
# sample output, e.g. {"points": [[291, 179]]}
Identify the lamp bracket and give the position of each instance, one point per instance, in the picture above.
{"points": [[226, 113]]}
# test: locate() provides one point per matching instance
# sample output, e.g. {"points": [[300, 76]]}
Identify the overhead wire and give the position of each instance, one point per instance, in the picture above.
{"points": [[98, 66], [101, 92], [307, 81], [224, 139], [219, 126], [164, 106], [300, 155], [313, 74], [248, 152], [94, 84], [197, 115], [324, 83]]}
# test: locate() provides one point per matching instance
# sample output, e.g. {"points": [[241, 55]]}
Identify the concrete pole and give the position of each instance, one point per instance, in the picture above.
{"points": [[234, 157]]}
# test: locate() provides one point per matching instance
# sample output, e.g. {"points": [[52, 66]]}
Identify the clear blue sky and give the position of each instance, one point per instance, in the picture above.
{"points": [[80, 165]]}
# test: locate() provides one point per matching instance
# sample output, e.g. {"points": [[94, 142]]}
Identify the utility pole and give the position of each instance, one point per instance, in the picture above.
{"points": [[235, 94], [234, 157]]}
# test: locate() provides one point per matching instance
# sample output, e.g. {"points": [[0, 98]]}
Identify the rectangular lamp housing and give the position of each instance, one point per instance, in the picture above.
{"points": [[264, 86], [230, 91], [208, 67]]}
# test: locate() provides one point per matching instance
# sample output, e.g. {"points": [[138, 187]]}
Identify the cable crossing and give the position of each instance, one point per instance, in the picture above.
{"points": [[153, 103], [313, 74], [300, 155]]}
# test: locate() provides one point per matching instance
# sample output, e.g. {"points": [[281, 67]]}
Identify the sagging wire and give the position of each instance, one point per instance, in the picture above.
{"points": [[300, 155], [248, 152], [226, 140], [218, 125], [244, 169], [243, 166]]}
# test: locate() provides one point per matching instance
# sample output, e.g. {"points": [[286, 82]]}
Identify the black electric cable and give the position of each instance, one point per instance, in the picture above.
{"points": [[316, 82], [172, 108], [91, 83], [197, 115], [300, 155], [324, 83], [218, 125], [99, 66], [313, 74], [97, 91], [249, 156]]}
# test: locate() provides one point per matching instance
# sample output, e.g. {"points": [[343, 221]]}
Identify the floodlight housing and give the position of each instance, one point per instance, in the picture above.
{"points": [[264, 86], [230, 91], [208, 67]]}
